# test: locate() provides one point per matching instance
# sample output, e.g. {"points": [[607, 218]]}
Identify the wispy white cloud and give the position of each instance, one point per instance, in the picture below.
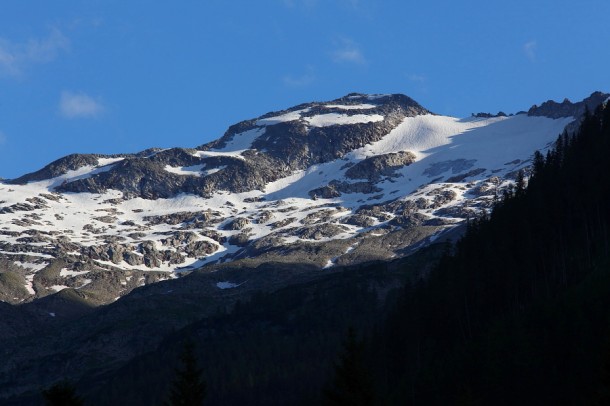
{"points": [[303, 80], [347, 51], [79, 105], [416, 78], [15, 57], [529, 48], [418, 83]]}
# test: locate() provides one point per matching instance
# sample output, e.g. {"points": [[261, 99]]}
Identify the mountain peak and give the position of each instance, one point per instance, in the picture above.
{"points": [[359, 178], [566, 108]]}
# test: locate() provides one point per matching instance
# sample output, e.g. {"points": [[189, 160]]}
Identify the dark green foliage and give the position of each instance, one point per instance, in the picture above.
{"points": [[275, 349], [61, 394], [351, 385], [188, 387], [518, 313]]}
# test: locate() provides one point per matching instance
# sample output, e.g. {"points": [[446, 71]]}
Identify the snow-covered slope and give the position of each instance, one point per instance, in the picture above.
{"points": [[324, 184]]}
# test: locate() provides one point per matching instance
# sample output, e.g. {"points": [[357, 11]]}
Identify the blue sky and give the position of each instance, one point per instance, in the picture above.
{"points": [[110, 76]]}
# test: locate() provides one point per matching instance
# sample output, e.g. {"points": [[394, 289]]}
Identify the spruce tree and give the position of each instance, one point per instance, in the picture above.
{"points": [[188, 387], [61, 394], [351, 385], [520, 183]]}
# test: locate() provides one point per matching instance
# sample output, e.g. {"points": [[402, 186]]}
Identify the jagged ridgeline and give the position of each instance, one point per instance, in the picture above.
{"points": [[272, 146], [319, 185]]}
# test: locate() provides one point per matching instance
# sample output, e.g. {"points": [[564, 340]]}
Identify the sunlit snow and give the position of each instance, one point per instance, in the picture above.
{"points": [[325, 120], [351, 106], [498, 146]]}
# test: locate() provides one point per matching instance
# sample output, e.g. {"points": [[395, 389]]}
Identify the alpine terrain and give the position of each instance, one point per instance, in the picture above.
{"points": [[319, 185], [265, 245]]}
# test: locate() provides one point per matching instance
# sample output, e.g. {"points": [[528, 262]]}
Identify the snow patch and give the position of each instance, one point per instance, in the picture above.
{"points": [[290, 116], [208, 172], [32, 265], [29, 284], [194, 170], [220, 153], [227, 285], [329, 264], [326, 120], [351, 106], [377, 96], [68, 273], [242, 141]]}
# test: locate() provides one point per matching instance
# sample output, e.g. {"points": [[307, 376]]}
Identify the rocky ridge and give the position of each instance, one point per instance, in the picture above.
{"points": [[324, 184]]}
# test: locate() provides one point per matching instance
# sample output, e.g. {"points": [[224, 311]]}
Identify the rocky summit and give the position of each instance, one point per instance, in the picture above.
{"points": [[317, 186]]}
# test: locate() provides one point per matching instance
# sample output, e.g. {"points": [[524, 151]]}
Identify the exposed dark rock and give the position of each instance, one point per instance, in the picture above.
{"points": [[373, 168], [237, 224], [455, 165], [214, 235], [106, 219], [254, 199], [460, 211], [133, 259], [335, 188], [320, 231], [53, 197], [489, 115], [409, 220], [184, 217], [489, 187], [375, 212], [566, 108], [58, 167], [287, 146], [172, 257], [359, 220], [320, 216], [242, 239], [150, 253], [264, 217], [179, 238], [37, 202], [135, 177], [460, 178], [282, 223], [200, 248], [107, 252], [324, 192], [264, 244], [442, 196], [17, 207]]}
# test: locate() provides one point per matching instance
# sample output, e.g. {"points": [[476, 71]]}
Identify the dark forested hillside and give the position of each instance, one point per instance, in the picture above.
{"points": [[274, 349], [519, 312], [516, 312]]}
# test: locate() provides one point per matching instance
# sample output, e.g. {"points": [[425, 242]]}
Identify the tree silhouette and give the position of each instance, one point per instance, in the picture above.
{"points": [[351, 385], [61, 394], [188, 387]]}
